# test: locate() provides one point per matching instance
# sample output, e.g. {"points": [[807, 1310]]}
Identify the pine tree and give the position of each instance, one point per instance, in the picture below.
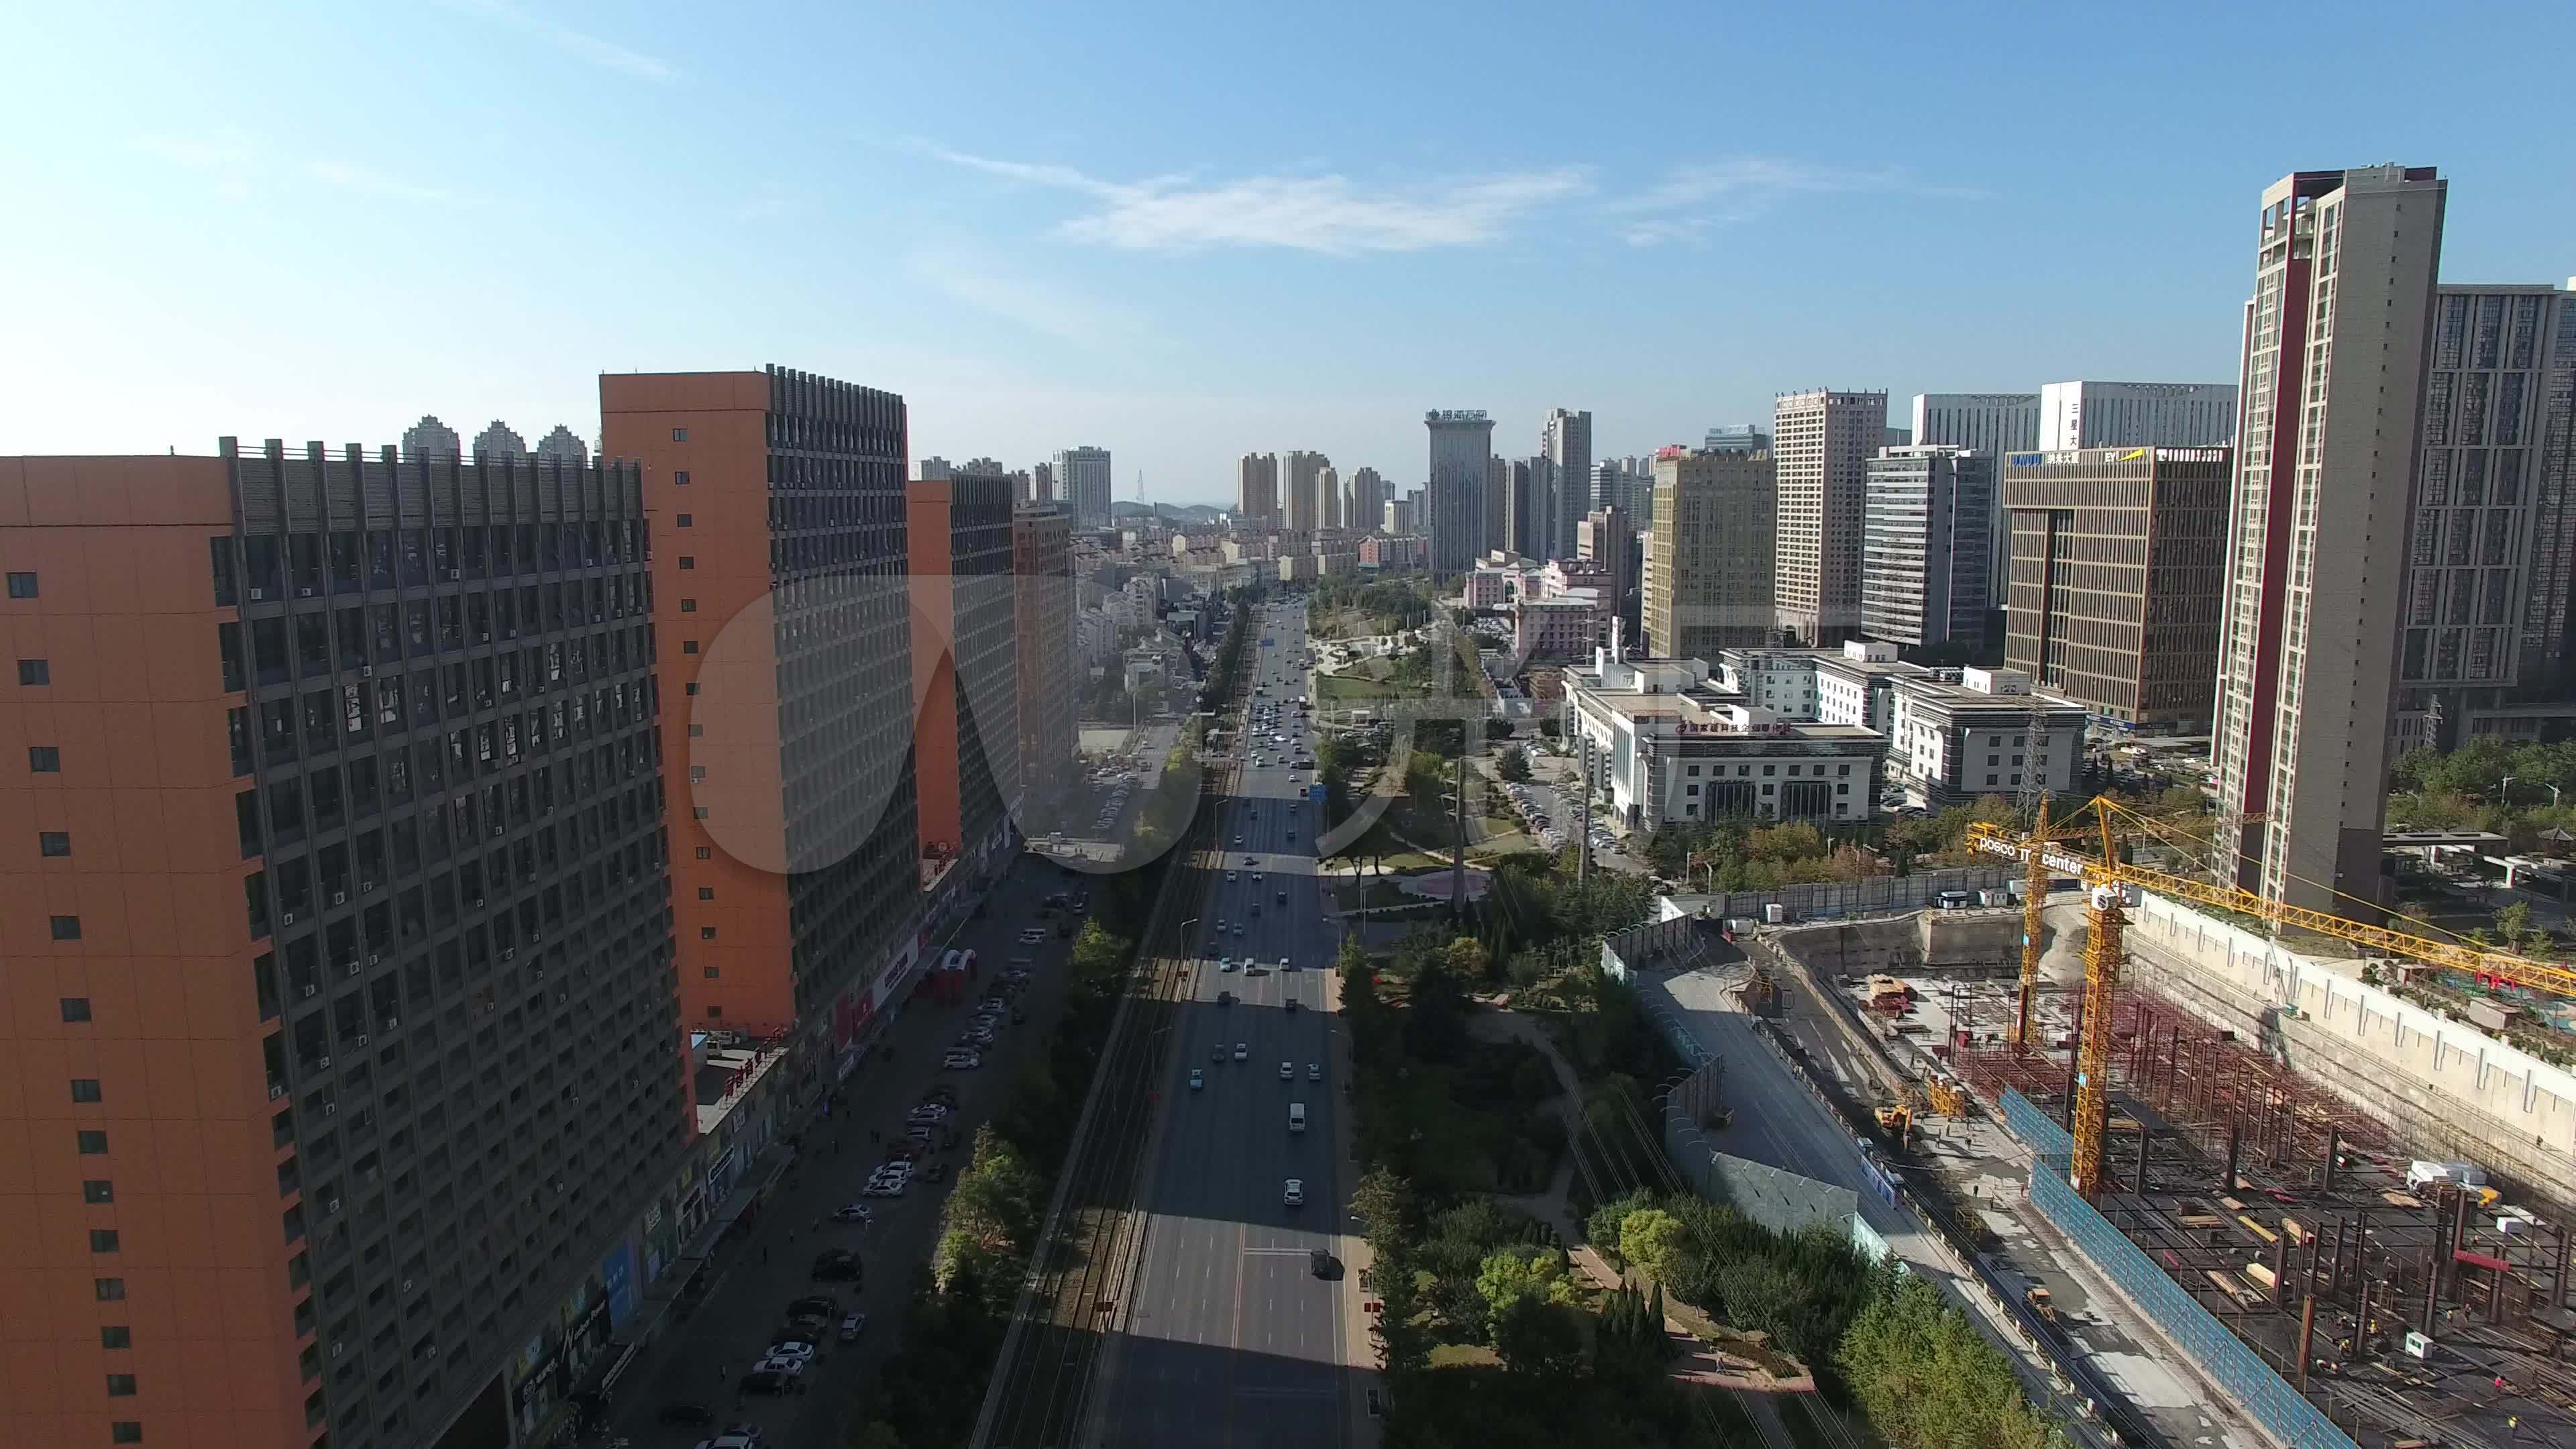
{"points": [[1654, 1324]]}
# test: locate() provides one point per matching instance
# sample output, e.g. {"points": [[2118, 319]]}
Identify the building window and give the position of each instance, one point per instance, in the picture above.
{"points": [[688, 606], [698, 812], [687, 520], [75, 1008], [109, 1290], [705, 854], [85, 1089], [125, 1431], [679, 435], [44, 760], [1693, 770], [687, 562], [2016, 759], [22, 586], [98, 1190], [66, 928], [102, 1240], [93, 1144], [1994, 759], [1842, 769], [688, 646], [715, 1013], [1990, 779], [1769, 770], [53, 842], [1692, 790], [680, 479], [35, 671], [706, 933], [692, 687], [697, 731], [1842, 789], [120, 1386], [115, 1336], [1770, 789], [713, 972], [706, 893]]}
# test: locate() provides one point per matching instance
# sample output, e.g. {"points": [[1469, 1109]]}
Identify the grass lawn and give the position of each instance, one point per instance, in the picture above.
{"points": [[1468, 1355], [1351, 688]]}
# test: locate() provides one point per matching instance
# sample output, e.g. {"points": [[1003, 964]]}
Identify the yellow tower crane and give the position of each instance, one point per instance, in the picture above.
{"points": [[2109, 879]]}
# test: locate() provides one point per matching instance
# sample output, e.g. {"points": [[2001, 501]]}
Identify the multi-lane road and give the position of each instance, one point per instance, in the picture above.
{"points": [[1230, 1336]]}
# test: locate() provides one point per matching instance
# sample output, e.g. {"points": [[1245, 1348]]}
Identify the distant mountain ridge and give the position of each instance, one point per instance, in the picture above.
{"points": [[1177, 512]]}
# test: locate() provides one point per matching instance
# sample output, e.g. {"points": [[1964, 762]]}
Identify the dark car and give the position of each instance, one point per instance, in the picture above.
{"points": [[769, 1383], [817, 1303], [837, 1266], [807, 1327], [686, 1414], [936, 1172]]}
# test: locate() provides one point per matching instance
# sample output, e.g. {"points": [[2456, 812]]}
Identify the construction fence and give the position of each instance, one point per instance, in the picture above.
{"points": [[1835, 900], [2282, 1410]]}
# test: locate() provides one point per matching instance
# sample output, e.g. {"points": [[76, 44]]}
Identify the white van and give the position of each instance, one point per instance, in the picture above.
{"points": [[1296, 1116]]}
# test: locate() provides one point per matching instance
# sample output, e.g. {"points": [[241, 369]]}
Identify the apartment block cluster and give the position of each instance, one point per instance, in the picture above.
{"points": [[591, 817], [2362, 544]]}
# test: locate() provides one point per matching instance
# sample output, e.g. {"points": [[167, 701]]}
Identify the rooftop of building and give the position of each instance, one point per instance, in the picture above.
{"points": [[1979, 689]]}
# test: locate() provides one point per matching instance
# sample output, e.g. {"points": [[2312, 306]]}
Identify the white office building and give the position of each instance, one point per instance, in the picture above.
{"points": [[1927, 545], [2136, 415], [1083, 474], [1956, 735], [1993, 423], [1671, 745]]}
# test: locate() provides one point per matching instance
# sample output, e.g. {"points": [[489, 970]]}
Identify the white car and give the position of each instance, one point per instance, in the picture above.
{"points": [[1225, 963], [1294, 1194], [1283, 963], [1242, 1051], [1314, 1071], [1230, 877], [1287, 1072], [790, 1367], [797, 1349], [926, 1114]]}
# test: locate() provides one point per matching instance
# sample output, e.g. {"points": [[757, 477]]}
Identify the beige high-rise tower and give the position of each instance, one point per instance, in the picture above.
{"points": [[1709, 570], [1821, 442], [1300, 479], [1256, 487], [2337, 342]]}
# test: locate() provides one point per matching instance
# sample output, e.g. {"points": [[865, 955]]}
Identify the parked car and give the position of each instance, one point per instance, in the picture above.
{"points": [[852, 1326], [769, 1381], [857, 1212], [683, 1413]]}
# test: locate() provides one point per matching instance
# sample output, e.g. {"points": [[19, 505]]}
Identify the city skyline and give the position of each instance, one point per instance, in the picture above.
{"points": [[1030, 284]]}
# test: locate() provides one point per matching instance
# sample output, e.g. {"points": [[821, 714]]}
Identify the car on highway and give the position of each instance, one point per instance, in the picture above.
{"points": [[835, 1265], [1224, 963], [1294, 1194], [1229, 877], [683, 1413], [1287, 1071], [857, 1212], [796, 1349], [887, 1185], [852, 1326], [926, 1113], [1283, 961], [960, 1061], [1198, 1078], [1238, 928], [1216, 1053], [1314, 1071], [1242, 1051]]}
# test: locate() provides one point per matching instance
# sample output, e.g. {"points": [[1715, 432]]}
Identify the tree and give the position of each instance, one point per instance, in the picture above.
{"points": [[1651, 1238], [1384, 1202], [1509, 1276], [1513, 764], [1467, 959], [2513, 927], [1603, 1227], [1537, 1339]]}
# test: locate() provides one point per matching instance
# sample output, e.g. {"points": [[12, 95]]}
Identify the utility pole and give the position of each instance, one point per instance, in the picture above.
{"points": [[1583, 811], [1458, 862]]}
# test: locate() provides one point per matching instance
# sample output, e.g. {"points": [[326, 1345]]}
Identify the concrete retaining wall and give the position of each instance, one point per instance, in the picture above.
{"points": [[2445, 1085], [1921, 939]]}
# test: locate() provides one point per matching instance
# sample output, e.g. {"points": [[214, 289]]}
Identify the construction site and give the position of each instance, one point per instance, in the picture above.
{"points": [[2372, 1199]]}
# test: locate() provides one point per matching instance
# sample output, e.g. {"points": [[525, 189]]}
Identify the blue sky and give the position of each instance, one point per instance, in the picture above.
{"points": [[1184, 231]]}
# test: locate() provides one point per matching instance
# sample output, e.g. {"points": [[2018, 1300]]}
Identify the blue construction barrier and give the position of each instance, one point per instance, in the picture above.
{"points": [[2281, 1409]]}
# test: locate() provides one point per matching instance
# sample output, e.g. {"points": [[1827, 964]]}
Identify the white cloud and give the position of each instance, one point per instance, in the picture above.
{"points": [[375, 183], [1694, 200], [227, 160], [1330, 214], [1051, 311], [580, 45]]}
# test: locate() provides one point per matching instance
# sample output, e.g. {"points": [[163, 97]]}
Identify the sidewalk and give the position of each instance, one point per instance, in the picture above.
{"points": [[1359, 1341], [758, 1269]]}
